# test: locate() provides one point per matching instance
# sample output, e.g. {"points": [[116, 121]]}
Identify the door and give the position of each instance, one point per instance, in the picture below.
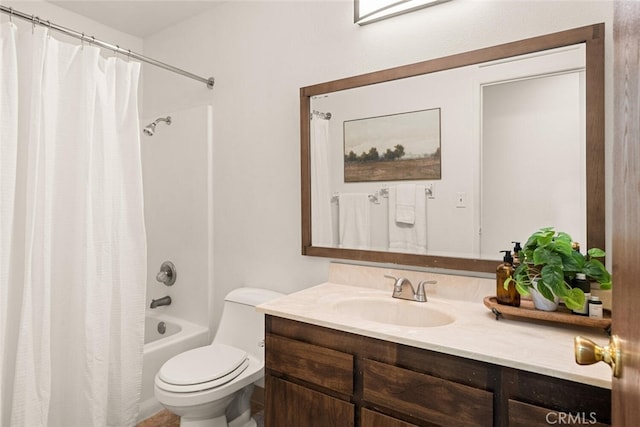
{"points": [[626, 210]]}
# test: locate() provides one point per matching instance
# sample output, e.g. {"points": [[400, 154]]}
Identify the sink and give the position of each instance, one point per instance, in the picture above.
{"points": [[393, 311]]}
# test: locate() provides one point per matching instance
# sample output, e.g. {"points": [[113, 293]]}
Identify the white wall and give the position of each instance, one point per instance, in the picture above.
{"points": [[176, 163], [261, 53]]}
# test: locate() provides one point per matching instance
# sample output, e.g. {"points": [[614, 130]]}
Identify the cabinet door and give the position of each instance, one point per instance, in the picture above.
{"points": [[374, 419], [289, 404]]}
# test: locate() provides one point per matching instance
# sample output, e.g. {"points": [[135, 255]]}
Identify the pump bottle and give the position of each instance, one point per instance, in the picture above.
{"points": [[509, 296], [516, 254], [582, 283]]}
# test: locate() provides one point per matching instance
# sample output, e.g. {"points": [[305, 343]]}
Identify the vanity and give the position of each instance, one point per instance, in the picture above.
{"points": [[345, 353], [447, 361]]}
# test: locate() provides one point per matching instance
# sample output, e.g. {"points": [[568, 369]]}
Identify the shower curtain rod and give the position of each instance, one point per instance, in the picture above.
{"points": [[115, 48]]}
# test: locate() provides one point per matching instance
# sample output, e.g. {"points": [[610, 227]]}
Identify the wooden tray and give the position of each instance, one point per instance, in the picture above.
{"points": [[562, 315]]}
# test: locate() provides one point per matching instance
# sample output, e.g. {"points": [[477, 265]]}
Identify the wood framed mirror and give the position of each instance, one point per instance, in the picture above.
{"points": [[590, 37]]}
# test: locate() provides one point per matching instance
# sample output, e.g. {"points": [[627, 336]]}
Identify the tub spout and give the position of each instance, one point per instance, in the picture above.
{"points": [[160, 301]]}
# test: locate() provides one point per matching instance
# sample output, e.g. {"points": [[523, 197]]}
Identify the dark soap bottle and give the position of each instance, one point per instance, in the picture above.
{"points": [[581, 282], [509, 296], [516, 254]]}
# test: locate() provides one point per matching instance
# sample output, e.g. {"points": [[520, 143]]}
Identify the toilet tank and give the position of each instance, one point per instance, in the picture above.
{"points": [[241, 325]]}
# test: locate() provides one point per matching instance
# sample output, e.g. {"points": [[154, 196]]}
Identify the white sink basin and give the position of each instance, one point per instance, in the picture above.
{"points": [[393, 311]]}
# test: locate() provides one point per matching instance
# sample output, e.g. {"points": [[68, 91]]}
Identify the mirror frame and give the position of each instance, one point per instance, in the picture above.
{"points": [[591, 35]]}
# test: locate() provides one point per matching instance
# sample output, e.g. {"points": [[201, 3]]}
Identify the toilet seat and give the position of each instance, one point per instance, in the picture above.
{"points": [[202, 368]]}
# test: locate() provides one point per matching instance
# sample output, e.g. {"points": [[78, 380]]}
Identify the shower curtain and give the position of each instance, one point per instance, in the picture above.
{"points": [[72, 254], [321, 231]]}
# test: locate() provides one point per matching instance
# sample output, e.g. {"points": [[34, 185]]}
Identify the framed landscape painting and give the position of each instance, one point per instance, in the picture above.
{"points": [[403, 146]]}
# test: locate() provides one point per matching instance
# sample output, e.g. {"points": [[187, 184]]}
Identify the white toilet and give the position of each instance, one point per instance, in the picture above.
{"points": [[211, 386]]}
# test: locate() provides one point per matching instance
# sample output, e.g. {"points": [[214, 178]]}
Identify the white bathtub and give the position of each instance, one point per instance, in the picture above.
{"points": [[179, 336]]}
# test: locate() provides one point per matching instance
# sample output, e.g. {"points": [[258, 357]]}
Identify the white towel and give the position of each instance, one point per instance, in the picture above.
{"points": [[410, 238], [406, 203], [354, 221]]}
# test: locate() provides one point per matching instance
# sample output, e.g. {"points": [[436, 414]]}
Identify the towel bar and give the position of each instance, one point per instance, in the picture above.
{"points": [[373, 198], [428, 190]]}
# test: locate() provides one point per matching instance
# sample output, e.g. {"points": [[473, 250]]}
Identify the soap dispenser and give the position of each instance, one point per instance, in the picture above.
{"points": [[509, 296], [516, 254]]}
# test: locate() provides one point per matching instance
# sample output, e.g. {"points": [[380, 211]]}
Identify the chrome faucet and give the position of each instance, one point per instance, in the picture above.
{"points": [[160, 301], [402, 291]]}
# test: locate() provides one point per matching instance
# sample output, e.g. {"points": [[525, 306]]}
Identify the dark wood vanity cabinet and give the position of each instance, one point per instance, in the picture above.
{"points": [[320, 377]]}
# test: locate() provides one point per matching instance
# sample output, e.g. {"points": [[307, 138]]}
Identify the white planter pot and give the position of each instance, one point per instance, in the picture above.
{"points": [[540, 302]]}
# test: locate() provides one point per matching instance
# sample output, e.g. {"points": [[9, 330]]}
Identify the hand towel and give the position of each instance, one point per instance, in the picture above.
{"points": [[354, 220], [409, 238], [405, 203]]}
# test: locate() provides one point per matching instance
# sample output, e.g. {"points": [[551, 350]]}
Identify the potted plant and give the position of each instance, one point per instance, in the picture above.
{"points": [[548, 263]]}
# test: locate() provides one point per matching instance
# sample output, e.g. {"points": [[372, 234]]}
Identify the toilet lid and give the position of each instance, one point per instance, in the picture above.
{"points": [[203, 364]]}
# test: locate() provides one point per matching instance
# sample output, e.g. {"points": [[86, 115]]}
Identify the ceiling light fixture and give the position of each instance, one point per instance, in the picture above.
{"points": [[368, 11]]}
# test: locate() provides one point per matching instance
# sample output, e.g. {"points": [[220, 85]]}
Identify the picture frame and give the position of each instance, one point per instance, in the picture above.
{"points": [[402, 146]]}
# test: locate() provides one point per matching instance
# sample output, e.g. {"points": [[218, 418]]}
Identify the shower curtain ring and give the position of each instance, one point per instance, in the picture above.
{"points": [[115, 51], [11, 15], [129, 55], [82, 42], [33, 24]]}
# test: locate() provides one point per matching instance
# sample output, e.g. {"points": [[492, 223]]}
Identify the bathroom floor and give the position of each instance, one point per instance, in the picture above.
{"points": [[161, 419], [167, 419]]}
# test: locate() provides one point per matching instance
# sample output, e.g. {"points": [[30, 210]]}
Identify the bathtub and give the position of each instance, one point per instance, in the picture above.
{"points": [[164, 337]]}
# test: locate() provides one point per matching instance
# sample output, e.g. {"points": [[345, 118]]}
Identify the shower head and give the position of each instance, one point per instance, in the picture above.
{"points": [[150, 129]]}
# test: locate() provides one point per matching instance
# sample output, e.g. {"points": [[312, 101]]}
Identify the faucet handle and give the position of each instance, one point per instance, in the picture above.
{"points": [[167, 274], [421, 294], [397, 285], [394, 278]]}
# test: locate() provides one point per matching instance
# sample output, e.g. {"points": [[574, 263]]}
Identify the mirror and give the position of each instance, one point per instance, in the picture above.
{"points": [[462, 163]]}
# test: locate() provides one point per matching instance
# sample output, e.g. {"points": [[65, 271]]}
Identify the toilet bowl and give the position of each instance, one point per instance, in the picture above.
{"points": [[211, 386]]}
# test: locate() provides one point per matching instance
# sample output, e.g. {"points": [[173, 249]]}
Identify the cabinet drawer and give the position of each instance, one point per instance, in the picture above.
{"points": [[426, 397], [526, 415], [327, 368]]}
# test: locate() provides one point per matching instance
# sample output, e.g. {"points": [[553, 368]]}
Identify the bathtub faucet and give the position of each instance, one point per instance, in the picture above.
{"points": [[161, 301]]}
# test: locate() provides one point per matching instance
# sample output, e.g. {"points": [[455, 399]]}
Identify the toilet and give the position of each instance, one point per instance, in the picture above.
{"points": [[211, 386]]}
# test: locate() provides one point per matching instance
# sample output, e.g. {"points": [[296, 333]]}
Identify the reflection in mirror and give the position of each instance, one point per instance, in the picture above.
{"points": [[533, 150], [533, 162], [512, 154]]}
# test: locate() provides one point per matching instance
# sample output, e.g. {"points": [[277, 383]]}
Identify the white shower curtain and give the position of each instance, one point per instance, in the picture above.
{"points": [[322, 228], [72, 254]]}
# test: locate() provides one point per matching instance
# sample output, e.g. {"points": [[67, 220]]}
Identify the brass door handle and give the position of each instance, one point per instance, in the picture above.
{"points": [[588, 352]]}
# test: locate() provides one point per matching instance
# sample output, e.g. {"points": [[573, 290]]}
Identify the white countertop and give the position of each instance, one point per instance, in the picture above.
{"points": [[535, 346]]}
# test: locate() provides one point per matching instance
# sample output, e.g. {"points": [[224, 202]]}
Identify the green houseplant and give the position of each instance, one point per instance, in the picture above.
{"points": [[549, 258]]}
